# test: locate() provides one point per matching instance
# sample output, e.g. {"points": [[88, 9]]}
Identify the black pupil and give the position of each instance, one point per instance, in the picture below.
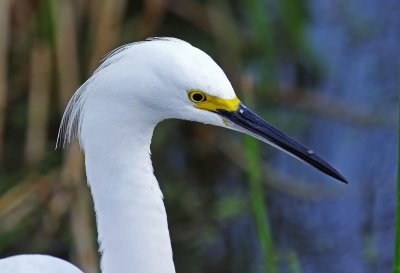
{"points": [[197, 97]]}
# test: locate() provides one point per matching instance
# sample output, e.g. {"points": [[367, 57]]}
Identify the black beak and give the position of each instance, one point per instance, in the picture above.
{"points": [[257, 127]]}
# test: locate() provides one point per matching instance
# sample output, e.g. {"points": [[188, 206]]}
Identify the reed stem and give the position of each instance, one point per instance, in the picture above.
{"points": [[258, 205]]}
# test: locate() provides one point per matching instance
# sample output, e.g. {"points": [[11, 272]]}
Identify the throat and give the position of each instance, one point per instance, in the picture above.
{"points": [[131, 219]]}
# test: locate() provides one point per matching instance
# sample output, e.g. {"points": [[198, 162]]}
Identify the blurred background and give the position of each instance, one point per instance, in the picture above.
{"points": [[325, 72]]}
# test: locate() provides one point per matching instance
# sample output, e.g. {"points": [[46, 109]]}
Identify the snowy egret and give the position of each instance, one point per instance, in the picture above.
{"points": [[113, 115]]}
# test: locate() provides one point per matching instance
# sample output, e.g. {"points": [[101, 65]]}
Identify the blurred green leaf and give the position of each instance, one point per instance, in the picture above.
{"points": [[230, 207]]}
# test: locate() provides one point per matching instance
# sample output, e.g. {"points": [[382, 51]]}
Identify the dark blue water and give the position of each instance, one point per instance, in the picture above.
{"points": [[351, 229], [359, 43]]}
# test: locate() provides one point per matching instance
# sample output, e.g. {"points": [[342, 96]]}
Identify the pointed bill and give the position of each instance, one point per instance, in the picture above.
{"points": [[245, 120]]}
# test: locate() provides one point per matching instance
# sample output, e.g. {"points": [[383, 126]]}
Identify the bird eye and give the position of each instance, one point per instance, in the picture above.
{"points": [[197, 96]]}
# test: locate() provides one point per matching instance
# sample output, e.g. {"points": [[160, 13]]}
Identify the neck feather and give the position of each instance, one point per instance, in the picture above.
{"points": [[131, 219]]}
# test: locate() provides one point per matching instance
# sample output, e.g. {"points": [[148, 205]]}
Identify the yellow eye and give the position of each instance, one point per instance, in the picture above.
{"points": [[197, 96]]}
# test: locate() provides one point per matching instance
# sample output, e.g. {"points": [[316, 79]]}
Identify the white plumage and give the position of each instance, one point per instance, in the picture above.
{"points": [[113, 115], [35, 263]]}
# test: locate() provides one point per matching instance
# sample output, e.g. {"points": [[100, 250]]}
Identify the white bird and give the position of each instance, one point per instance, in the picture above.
{"points": [[113, 114]]}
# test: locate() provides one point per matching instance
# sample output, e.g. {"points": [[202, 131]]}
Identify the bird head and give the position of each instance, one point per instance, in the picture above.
{"points": [[166, 78]]}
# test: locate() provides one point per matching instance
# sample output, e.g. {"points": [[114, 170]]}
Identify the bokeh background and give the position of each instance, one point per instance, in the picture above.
{"points": [[325, 72]]}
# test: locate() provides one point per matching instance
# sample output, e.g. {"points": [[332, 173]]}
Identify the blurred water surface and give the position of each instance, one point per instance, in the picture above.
{"points": [[352, 230]]}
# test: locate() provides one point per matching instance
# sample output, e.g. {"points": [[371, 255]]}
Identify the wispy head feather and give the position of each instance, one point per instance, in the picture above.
{"points": [[72, 119]]}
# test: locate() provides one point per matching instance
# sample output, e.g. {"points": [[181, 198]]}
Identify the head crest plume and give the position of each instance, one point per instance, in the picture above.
{"points": [[72, 117]]}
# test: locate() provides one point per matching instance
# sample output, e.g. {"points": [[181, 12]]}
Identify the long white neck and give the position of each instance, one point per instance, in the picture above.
{"points": [[131, 219]]}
